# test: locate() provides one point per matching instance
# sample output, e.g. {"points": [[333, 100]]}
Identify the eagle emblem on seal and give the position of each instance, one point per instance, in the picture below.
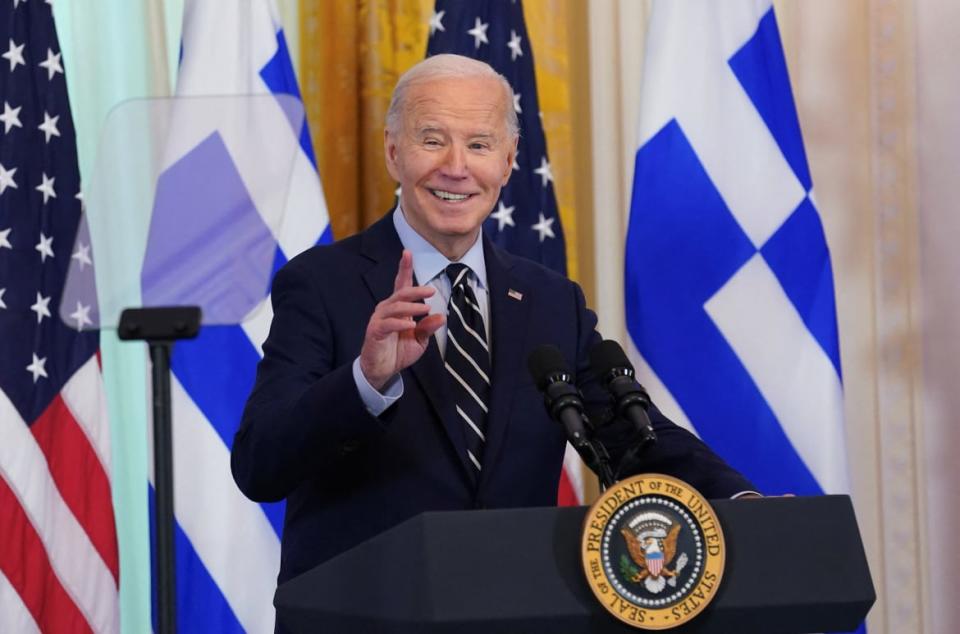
{"points": [[651, 539]]}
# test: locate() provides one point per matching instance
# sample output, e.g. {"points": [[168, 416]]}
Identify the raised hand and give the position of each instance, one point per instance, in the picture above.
{"points": [[393, 340]]}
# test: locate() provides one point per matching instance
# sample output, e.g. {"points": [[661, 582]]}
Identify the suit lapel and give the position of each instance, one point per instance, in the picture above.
{"points": [[509, 315], [433, 380], [382, 245]]}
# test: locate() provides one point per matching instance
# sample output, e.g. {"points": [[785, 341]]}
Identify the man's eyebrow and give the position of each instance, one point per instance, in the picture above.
{"points": [[430, 129]]}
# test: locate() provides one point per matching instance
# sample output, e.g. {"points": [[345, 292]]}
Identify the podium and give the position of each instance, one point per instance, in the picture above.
{"points": [[793, 565]]}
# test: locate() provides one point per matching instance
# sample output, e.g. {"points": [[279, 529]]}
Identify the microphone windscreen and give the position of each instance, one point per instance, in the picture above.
{"points": [[546, 361], [607, 355]]}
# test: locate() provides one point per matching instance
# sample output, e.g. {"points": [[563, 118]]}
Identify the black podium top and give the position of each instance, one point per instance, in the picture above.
{"points": [[793, 565]]}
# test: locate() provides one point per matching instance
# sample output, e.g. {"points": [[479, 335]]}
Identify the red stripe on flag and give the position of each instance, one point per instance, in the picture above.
{"points": [[80, 478], [566, 495], [24, 561]]}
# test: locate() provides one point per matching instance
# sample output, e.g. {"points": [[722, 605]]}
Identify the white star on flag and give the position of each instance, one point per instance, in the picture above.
{"points": [[544, 172], [10, 117], [46, 188], [6, 178], [49, 126], [2, 303], [516, 155], [41, 307], [516, 103], [479, 33], [45, 247], [15, 55], [52, 64], [544, 227], [37, 367], [82, 316], [5, 238], [436, 22], [514, 45], [504, 216], [82, 255]]}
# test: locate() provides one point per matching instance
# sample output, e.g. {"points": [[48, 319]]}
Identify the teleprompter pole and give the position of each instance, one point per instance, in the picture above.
{"points": [[160, 327], [163, 483]]}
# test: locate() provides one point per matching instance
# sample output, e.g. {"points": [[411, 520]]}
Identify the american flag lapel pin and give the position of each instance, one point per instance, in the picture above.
{"points": [[517, 295]]}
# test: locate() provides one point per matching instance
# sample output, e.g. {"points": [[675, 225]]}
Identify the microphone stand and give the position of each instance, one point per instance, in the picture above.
{"points": [[597, 458], [565, 406]]}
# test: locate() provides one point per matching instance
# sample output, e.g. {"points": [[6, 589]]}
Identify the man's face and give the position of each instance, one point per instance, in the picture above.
{"points": [[451, 156]]}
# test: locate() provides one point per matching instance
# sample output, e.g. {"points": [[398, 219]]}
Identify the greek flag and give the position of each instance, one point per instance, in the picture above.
{"points": [[227, 547], [729, 288]]}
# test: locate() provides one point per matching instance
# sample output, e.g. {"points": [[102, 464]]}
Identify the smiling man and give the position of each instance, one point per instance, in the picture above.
{"points": [[394, 377]]}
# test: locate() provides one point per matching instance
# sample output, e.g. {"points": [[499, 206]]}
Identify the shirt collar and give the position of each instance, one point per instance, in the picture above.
{"points": [[428, 262]]}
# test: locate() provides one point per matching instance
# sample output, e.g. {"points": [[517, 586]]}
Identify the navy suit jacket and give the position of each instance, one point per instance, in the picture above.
{"points": [[347, 475]]}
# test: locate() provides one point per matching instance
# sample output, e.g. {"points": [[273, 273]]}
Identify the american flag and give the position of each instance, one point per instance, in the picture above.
{"points": [[59, 566], [526, 220]]}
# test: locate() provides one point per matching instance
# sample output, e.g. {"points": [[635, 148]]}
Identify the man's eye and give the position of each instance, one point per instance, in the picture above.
{"points": [[479, 146], [431, 142]]}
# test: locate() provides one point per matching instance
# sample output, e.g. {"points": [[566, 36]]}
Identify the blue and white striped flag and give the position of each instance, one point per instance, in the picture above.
{"points": [[729, 288], [228, 548]]}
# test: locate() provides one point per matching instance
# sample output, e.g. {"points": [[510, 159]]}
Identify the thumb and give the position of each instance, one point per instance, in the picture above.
{"points": [[427, 326]]}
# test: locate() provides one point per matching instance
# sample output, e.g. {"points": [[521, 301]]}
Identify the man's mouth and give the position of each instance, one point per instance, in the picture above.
{"points": [[449, 196]]}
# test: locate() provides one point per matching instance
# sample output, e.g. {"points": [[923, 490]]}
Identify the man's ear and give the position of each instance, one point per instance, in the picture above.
{"points": [[511, 158], [390, 154]]}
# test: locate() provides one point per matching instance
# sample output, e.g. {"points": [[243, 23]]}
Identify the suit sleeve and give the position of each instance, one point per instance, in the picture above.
{"points": [[304, 416], [677, 452]]}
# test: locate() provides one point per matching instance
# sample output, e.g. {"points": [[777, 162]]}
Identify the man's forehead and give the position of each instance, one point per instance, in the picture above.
{"points": [[468, 96], [432, 114], [428, 124]]}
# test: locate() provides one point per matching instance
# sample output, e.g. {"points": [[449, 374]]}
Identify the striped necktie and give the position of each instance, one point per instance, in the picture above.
{"points": [[467, 360]]}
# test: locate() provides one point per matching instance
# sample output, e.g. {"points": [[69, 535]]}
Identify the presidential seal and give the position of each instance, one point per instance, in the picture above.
{"points": [[653, 551]]}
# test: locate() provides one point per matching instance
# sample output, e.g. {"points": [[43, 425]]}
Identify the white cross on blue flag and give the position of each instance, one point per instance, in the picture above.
{"points": [[728, 282], [227, 547]]}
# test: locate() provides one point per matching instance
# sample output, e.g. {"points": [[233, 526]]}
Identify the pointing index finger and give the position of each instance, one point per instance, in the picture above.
{"points": [[404, 272]]}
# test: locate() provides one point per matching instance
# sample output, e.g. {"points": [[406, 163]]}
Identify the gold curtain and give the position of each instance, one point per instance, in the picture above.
{"points": [[351, 54]]}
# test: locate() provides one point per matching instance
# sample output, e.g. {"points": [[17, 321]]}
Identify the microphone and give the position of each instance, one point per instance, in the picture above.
{"points": [[565, 405], [563, 401], [630, 400]]}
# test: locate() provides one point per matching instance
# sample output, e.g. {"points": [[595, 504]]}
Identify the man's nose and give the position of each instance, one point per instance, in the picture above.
{"points": [[455, 162]]}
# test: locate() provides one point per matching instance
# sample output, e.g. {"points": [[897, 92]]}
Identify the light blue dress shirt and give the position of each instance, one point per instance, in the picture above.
{"points": [[429, 266]]}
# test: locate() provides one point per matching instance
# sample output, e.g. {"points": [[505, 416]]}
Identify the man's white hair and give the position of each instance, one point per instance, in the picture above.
{"points": [[448, 66]]}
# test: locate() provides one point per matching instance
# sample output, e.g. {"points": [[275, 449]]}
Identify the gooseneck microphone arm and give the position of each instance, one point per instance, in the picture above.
{"points": [[630, 400], [565, 405]]}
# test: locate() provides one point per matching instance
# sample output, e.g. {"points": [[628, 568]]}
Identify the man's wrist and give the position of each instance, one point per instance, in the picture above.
{"points": [[377, 400]]}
